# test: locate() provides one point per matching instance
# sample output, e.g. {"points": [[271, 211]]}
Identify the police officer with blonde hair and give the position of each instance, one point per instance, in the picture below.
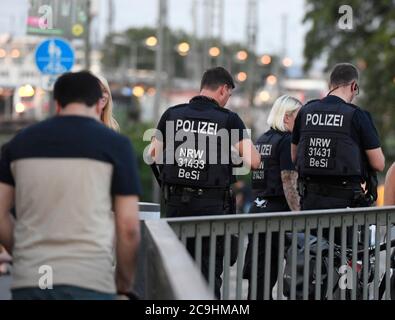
{"points": [[274, 183]]}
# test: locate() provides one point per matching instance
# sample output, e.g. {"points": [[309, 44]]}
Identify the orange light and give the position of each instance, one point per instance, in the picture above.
{"points": [[287, 62], [242, 55], [380, 196], [264, 96], [138, 91], [214, 52], [241, 76], [151, 92], [183, 48], [3, 53], [271, 80], [362, 64], [15, 53], [266, 59], [151, 41], [26, 91]]}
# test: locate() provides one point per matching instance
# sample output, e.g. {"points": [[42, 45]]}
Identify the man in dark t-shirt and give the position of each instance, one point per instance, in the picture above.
{"points": [[196, 139], [75, 187]]}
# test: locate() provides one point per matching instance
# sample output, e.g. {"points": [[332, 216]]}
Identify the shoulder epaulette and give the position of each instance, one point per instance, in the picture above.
{"points": [[353, 105], [224, 110], [178, 106], [311, 101]]}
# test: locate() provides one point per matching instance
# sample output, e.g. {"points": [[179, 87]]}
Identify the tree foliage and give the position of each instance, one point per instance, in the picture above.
{"points": [[370, 45], [116, 55]]}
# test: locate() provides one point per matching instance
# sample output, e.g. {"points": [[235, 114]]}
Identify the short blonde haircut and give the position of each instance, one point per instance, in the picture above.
{"points": [[282, 106], [107, 117]]}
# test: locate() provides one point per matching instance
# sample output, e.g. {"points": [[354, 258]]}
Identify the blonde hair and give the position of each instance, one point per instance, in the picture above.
{"points": [[282, 106], [107, 117]]}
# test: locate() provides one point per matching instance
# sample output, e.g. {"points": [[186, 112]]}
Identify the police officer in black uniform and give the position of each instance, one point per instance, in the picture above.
{"points": [[274, 184], [334, 144], [196, 139]]}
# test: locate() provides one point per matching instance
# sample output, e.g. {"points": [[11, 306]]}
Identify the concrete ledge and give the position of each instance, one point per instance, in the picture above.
{"points": [[171, 274]]}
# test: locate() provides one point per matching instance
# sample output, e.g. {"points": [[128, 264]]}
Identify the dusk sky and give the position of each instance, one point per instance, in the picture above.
{"points": [[138, 13], [144, 13]]}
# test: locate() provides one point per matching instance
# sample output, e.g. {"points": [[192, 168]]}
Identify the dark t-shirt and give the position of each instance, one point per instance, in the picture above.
{"points": [[66, 171], [234, 122], [282, 160], [74, 137], [363, 132], [284, 155]]}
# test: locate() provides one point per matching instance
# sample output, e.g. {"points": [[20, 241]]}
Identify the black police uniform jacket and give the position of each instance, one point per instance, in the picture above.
{"points": [[267, 178], [326, 147], [201, 155]]}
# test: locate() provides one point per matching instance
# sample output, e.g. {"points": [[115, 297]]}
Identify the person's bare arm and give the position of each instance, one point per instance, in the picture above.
{"points": [[156, 150], [6, 219], [248, 153], [294, 152], [290, 183], [389, 187], [127, 226], [376, 159]]}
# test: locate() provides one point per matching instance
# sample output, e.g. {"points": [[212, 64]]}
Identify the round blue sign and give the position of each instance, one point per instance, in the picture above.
{"points": [[54, 56]]}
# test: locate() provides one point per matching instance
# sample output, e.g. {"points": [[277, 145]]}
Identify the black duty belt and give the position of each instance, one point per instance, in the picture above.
{"points": [[342, 192], [204, 193]]}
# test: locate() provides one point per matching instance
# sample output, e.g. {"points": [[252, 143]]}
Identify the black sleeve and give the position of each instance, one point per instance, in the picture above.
{"points": [[126, 180], [5, 165], [296, 130], [162, 126], [238, 128], [285, 154], [367, 113], [366, 130]]}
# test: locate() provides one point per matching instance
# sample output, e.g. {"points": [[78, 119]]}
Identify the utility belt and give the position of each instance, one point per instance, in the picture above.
{"points": [[344, 190], [187, 193]]}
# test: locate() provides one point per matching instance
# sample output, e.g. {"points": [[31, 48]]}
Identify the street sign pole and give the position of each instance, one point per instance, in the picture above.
{"points": [[162, 15], [87, 36]]}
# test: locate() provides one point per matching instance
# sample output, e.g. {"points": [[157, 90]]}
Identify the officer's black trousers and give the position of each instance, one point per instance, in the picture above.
{"points": [[276, 204], [198, 206], [314, 201]]}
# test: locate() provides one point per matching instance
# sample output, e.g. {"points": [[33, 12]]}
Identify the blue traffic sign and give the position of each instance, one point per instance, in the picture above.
{"points": [[54, 56]]}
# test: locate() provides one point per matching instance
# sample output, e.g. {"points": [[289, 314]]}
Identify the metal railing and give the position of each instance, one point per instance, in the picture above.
{"points": [[311, 264]]}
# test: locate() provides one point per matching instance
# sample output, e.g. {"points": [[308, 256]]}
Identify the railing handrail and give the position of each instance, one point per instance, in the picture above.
{"points": [[283, 214], [183, 280]]}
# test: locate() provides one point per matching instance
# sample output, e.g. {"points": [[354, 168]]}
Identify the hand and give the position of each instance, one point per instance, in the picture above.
{"points": [[130, 295]]}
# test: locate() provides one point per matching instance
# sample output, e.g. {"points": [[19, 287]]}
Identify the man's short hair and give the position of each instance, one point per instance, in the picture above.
{"points": [[343, 73], [216, 77], [77, 87]]}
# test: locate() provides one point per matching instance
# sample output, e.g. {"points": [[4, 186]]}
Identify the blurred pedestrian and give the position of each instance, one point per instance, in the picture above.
{"points": [[389, 187], [66, 175], [107, 105], [243, 195]]}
